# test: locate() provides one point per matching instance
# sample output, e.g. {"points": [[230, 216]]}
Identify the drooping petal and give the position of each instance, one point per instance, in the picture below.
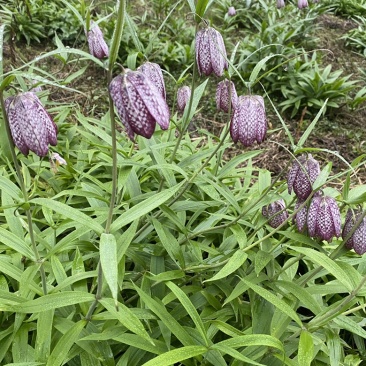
{"points": [[183, 95], [97, 45], [301, 216], [226, 92], [312, 216], [154, 73], [335, 216], [359, 238]]}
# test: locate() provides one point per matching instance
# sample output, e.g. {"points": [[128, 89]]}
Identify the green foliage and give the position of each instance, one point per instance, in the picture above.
{"points": [[189, 272]]}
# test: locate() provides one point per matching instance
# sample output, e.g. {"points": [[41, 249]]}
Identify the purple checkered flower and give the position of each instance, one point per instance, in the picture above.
{"points": [[210, 52], [301, 215], [357, 240], [276, 213], [154, 73], [139, 103], [225, 89], [324, 218], [183, 95], [231, 11], [97, 46], [302, 4], [32, 128], [280, 4], [302, 175], [249, 122]]}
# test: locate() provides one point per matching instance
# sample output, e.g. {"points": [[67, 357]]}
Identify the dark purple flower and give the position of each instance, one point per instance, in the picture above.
{"points": [[210, 52], [154, 73], [302, 175], [32, 128], [357, 240], [324, 218], [276, 213], [302, 4], [280, 4], [301, 215], [224, 89], [249, 122], [139, 103], [231, 11], [97, 46], [183, 95]]}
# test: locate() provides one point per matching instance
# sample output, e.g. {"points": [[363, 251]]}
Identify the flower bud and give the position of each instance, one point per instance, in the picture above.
{"points": [[97, 46], [231, 11], [324, 218], [225, 90], [154, 73], [357, 240], [210, 52], [302, 4], [280, 4], [32, 128], [302, 175], [249, 122], [276, 213], [139, 103], [183, 95]]}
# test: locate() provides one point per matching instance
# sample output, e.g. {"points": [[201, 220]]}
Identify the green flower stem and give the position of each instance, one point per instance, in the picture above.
{"points": [[117, 36], [25, 196], [186, 120]]}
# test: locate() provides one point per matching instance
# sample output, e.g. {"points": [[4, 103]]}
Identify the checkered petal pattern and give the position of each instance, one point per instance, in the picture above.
{"points": [[139, 104], [183, 95], [276, 213], [97, 45], [154, 73], [357, 241], [249, 122], [224, 89], [32, 128], [210, 52], [302, 175]]}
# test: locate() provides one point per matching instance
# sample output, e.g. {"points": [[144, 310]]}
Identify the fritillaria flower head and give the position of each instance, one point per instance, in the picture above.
{"points": [[302, 175], [210, 52], [139, 103], [154, 73], [276, 213], [231, 11], [183, 95], [302, 4], [226, 92], [357, 240], [97, 46], [249, 122], [32, 128], [280, 4], [324, 218]]}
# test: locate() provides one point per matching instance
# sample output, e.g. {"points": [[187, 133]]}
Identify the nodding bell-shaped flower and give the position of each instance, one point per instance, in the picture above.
{"points": [[224, 93], [139, 104], [97, 46], [231, 11], [280, 4], [324, 218], [183, 95], [302, 4], [357, 240], [210, 52], [154, 73], [302, 175], [32, 128], [249, 122], [276, 213]]}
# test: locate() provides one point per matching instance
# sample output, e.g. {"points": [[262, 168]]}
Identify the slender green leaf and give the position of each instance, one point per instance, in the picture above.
{"points": [[70, 212], [10, 188], [323, 176], [127, 318], [14, 242], [60, 352], [191, 310], [273, 299], [235, 262], [252, 340], [144, 207], [306, 349], [176, 355], [108, 260], [259, 66], [234, 353], [200, 9], [44, 335]]}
